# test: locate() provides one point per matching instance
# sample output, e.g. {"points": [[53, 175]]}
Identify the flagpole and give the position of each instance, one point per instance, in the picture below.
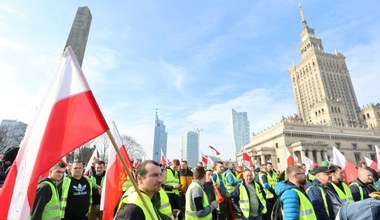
{"points": [[130, 176]]}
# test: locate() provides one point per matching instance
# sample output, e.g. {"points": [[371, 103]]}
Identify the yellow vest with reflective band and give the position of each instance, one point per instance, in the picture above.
{"points": [[272, 180], [230, 188], [360, 190], [345, 196], [190, 214], [51, 210], [165, 207], [131, 197], [65, 192], [306, 208], [172, 180], [127, 184], [244, 199], [93, 179], [268, 194], [323, 198]]}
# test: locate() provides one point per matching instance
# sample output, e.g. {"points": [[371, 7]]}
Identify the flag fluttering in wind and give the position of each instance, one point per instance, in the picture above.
{"points": [[115, 177], [349, 170], [93, 159], [67, 118], [377, 157], [247, 160], [371, 163], [289, 158], [163, 161], [215, 150], [204, 159]]}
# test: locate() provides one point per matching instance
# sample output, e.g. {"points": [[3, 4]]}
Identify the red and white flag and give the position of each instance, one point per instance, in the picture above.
{"points": [[247, 159], [116, 175], [92, 160], [204, 159], [67, 118], [349, 170], [163, 161], [289, 158], [215, 150], [370, 163], [377, 157]]}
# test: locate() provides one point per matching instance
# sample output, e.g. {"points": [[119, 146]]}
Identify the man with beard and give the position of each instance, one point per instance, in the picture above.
{"points": [[296, 204]]}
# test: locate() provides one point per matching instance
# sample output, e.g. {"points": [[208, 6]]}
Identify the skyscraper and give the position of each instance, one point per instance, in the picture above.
{"points": [[328, 112], [240, 125], [322, 84], [190, 148], [160, 139]]}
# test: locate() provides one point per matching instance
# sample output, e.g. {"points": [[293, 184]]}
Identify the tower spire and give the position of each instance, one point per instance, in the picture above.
{"points": [[303, 19]]}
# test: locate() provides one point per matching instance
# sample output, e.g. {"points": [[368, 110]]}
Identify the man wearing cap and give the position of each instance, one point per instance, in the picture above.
{"points": [[325, 202], [362, 186]]}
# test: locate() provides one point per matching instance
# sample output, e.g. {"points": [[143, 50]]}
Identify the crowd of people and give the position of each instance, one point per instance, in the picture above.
{"points": [[227, 191]]}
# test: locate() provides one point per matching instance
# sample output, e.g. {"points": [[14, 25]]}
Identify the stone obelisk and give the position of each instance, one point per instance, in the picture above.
{"points": [[79, 33]]}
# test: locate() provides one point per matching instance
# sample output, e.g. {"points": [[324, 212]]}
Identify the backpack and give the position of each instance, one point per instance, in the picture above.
{"points": [[277, 213]]}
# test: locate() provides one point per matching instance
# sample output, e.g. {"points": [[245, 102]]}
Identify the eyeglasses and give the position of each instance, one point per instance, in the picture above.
{"points": [[300, 173]]}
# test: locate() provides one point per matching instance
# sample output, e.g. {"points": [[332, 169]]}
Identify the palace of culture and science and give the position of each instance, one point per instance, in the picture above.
{"points": [[328, 113]]}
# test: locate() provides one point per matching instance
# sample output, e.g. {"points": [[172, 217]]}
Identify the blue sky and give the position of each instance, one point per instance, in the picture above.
{"points": [[195, 60]]}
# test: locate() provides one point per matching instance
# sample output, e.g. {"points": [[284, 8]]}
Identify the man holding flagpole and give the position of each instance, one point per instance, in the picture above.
{"points": [[149, 179]]}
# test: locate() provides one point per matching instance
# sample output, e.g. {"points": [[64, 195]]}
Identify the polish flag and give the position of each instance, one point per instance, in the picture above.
{"points": [[215, 150], [377, 157], [204, 159], [349, 170], [210, 163], [115, 177], [289, 158], [163, 161], [67, 118], [370, 163], [247, 159], [92, 160]]}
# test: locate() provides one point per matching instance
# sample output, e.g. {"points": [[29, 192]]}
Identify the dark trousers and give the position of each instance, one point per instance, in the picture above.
{"points": [[270, 203]]}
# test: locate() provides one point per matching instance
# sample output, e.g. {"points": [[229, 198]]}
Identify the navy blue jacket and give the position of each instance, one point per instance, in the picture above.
{"points": [[333, 201]]}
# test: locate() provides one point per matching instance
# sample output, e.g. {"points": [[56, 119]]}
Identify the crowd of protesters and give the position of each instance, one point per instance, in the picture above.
{"points": [[226, 191]]}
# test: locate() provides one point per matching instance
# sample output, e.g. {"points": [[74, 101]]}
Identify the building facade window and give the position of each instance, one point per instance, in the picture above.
{"points": [[370, 147], [337, 145], [357, 157], [354, 146]]}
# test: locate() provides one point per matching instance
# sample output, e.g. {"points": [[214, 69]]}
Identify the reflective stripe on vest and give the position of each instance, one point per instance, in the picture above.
{"points": [[52, 210], [65, 191], [165, 207], [190, 213], [306, 208], [172, 180], [268, 194], [131, 197], [323, 198], [346, 195], [244, 199], [360, 190]]}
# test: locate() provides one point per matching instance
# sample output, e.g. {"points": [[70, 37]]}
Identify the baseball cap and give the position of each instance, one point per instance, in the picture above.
{"points": [[323, 170]]}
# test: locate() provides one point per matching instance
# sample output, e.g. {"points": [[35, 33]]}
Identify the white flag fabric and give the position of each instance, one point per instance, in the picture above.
{"points": [[377, 157]]}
